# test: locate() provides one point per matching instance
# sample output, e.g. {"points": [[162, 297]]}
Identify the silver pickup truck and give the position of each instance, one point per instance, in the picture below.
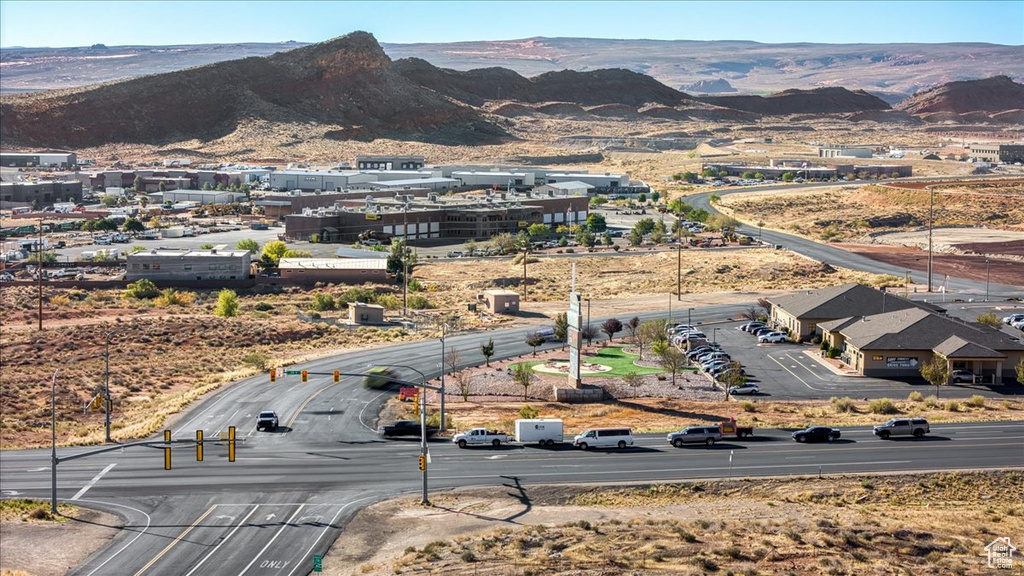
{"points": [[916, 427]]}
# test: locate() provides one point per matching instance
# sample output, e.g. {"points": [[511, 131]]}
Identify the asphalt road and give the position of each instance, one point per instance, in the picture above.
{"points": [[289, 494]]}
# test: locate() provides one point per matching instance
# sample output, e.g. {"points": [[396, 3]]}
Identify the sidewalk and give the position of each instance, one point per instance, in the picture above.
{"points": [[816, 356]]}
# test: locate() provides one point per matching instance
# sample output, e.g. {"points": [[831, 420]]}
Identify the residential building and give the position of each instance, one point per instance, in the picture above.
{"points": [[189, 265], [897, 343], [335, 270], [803, 312]]}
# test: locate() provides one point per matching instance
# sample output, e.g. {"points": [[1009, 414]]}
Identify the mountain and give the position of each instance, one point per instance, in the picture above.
{"points": [[991, 95], [817, 101], [348, 81], [591, 88], [892, 71], [716, 86]]}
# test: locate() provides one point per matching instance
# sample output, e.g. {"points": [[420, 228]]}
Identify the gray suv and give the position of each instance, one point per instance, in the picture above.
{"points": [[695, 435], [916, 427]]}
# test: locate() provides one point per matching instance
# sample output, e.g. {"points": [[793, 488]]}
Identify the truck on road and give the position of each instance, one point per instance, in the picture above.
{"points": [[480, 437], [542, 431], [730, 428]]}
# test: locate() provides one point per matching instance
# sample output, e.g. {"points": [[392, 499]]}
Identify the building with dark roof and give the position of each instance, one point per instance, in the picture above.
{"points": [[897, 343], [804, 311]]}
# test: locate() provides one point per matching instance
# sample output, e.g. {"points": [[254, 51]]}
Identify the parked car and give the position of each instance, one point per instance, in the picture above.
{"points": [[604, 438], [714, 363], [702, 350], [816, 434], [722, 371], [762, 331], [1019, 324], [962, 376], [772, 338], [695, 435], [267, 420], [745, 389], [406, 428], [1013, 318], [751, 326], [916, 427]]}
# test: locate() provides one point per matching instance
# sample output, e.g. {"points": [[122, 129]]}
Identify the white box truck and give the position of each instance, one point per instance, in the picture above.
{"points": [[543, 431]]}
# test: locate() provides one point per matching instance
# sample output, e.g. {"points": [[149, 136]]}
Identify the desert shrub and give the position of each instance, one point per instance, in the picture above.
{"points": [[414, 285], [931, 401], [528, 412], [60, 301], [359, 294], [845, 404], [227, 303], [263, 306], [389, 301], [748, 406], [419, 302], [141, 289], [172, 297], [953, 406], [468, 556], [882, 406], [323, 301], [976, 401], [257, 360], [915, 396]]}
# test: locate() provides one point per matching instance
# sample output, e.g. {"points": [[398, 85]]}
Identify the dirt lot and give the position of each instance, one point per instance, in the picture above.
{"points": [[31, 544], [910, 524], [1002, 271]]}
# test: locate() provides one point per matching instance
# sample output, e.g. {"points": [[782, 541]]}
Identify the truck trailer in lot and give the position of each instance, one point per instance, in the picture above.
{"points": [[543, 431]]}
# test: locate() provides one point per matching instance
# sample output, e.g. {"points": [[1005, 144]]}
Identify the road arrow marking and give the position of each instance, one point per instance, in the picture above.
{"points": [[270, 517], [11, 492]]}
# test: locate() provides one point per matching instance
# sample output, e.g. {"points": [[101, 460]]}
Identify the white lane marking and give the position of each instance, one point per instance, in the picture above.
{"points": [[298, 562], [188, 424], [364, 410], [279, 531], [94, 480], [127, 544], [673, 470], [226, 538], [38, 469], [772, 358]]}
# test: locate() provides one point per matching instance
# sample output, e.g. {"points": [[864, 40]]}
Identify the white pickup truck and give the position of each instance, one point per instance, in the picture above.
{"points": [[481, 437]]}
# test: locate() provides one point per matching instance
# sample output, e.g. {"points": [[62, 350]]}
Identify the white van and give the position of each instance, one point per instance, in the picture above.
{"points": [[604, 438]]}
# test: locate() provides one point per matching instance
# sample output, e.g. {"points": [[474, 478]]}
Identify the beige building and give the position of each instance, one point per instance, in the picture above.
{"points": [[359, 313], [502, 301], [189, 265], [896, 344], [334, 270], [804, 311]]}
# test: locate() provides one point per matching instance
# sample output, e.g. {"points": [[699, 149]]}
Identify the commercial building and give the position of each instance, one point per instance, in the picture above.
{"points": [[844, 152], [803, 312], [203, 197], [189, 265], [775, 171], [39, 194], [336, 270], [488, 179], [476, 216], [38, 159], [896, 344], [602, 183], [390, 162], [440, 185], [308, 181], [1004, 153]]}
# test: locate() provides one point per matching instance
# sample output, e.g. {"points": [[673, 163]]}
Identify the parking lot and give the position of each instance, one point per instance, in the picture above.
{"points": [[793, 372]]}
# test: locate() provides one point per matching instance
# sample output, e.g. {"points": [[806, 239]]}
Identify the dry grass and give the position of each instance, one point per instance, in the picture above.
{"points": [[920, 524], [25, 510]]}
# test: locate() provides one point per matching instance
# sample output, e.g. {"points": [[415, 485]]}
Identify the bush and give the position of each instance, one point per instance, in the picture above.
{"points": [[257, 360], [323, 301], [389, 301], [141, 289], [953, 406], [748, 406], [843, 404], [976, 401], [882, 406], [468, 556], [528, 413], [364, 295], [419, 302], [915, 397], [414, 285], [823, 345], [263, 306], [931, 401], [227, 303]]}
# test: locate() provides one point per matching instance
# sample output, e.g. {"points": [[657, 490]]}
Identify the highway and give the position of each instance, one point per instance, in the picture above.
{"points": [[290, 493]]}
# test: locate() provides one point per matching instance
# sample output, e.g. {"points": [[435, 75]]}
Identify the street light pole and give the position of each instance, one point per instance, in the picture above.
{"points": [[53, 442], [589, 331], [444, 328], [986, 279], [405, 262], [689, 321], [423, 426], [106, 384], [931, 223]]}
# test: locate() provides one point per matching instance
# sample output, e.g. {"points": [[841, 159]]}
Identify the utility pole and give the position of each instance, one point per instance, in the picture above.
{"points": [[986, 279], [679, 260], [106, 384], [931, 224], [405, 262], [53, 442], [589, 331], [39, 275], [444, 328]]}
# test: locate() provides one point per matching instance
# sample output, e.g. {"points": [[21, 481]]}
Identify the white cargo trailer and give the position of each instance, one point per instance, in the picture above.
{"points": [[543, 431]]}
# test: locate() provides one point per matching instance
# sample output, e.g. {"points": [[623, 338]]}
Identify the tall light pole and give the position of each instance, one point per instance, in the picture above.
{"points": [[405, 262], [590, 333], [444, 328], [986, 279], [669, 308], [53, 442], [931, 223], [679, 261], [106, 383], [689, 321], [39, 273], [423, 425]]}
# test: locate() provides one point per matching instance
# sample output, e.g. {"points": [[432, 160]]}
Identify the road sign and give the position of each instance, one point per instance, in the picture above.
{"points": [[318, 563], [293, 372]]}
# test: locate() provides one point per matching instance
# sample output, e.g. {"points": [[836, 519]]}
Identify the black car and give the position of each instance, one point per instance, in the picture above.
{"points": [[406, 428], [816, 434]]}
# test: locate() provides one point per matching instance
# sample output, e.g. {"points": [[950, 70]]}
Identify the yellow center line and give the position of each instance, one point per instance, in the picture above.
{"points": [[308, 400], [175, 541]]}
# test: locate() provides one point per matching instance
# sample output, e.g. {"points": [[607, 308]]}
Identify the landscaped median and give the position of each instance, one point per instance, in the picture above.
{"points": [[611, 361]]}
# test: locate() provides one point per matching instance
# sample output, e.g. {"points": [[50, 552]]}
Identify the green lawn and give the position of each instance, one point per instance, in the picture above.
{"points": [[613, 356]]}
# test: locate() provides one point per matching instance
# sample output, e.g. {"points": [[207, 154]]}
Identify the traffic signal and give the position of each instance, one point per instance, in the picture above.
{"points": [[167, 450], [199, 445], [273, 375], [423, 463], [337, 376], [305, 375]]}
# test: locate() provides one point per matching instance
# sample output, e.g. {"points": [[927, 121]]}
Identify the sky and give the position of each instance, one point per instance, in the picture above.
{"points": [[38, 23]]}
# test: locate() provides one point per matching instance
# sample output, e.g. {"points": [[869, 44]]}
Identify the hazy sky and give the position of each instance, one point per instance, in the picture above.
{"points": [[83, 23]]}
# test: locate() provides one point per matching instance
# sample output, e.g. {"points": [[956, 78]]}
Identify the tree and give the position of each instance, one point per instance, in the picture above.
{"points": [[732, 377], [722, 222], [596, 222], [138, 185], [655, 196], [142, 288], [645, 225], [504, 243], [610, 327], [787, 177], [400, 258], [586, 238], [936, 372], [323, 301], [271, 254], [452, 359], [679, 208], [154, 223], [636, 237], [632, 326], [709, 172], [633, 380], [522, 374], [747, 176], [162, 187], [249, 244], [588, 332], [534, 340], [227, 304], [562, 327], [758, 176], [487, 350], [463, 380], [207, 186], [607, 238], [133, 225], [108, 200], [641, 197], [672, 360], [648, 333], [538, 230], [990, 319]]}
